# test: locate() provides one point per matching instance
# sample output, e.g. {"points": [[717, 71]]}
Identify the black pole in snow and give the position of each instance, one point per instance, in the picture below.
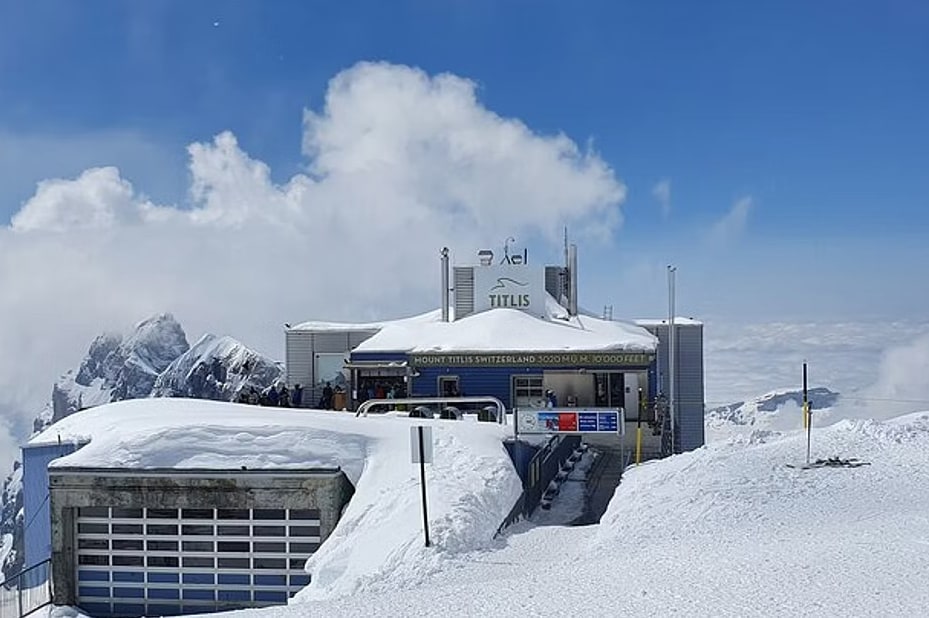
{"points": [[422, 477], [808, 418]]}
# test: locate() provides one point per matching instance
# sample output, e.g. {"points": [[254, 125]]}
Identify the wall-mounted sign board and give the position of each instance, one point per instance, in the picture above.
{"points": [[570, 420]]}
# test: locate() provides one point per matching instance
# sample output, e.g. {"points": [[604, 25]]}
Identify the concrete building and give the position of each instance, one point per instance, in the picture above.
{"points": [[129, 538]]}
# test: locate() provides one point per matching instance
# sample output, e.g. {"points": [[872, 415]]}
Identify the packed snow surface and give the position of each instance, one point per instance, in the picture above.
{"points": [[726, 530], [318, 325]]}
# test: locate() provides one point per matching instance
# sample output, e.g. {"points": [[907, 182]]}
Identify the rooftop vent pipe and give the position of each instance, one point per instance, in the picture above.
{"points": [[444, 254], [572, 297]]}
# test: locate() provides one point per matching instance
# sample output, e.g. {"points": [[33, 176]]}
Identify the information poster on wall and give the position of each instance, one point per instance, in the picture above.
{"points": [[571, 420]]}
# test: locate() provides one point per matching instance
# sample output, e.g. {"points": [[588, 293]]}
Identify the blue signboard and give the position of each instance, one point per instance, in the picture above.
{"points": [[587, 421], [607, 421], [569, 420]]}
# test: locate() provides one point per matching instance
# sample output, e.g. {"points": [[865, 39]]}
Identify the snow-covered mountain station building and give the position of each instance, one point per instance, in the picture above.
{"points": [[167, 506], [514, 332]]}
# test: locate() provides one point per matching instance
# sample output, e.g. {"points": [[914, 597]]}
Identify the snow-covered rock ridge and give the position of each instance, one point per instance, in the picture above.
{"points": [[154, 360]]}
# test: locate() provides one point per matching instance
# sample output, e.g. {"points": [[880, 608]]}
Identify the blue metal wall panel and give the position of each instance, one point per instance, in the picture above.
{"points": [[494, 381], [521, 453], [474, 381], [37, 533]]}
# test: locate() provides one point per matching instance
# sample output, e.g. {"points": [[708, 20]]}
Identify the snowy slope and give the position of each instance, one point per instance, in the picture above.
{"points": [[775, 411], [727, 530]]}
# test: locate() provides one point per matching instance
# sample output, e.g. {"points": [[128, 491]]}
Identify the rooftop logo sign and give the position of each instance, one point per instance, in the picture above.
{"points": [[510, 285], [509, 292]]}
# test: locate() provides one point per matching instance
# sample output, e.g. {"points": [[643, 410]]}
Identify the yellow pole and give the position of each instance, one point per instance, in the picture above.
{"points": [[638, 445]]}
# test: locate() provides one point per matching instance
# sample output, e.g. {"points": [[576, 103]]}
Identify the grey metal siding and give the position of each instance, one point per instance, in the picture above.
{"points": [[463, 284], [302, 346], [690, 388], [330, 342], [555, 280], [298, 357], [689, 381], [356, 338]]}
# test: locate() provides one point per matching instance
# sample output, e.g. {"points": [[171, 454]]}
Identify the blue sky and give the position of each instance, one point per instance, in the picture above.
{"points": [[815, 112], [790, 140]]}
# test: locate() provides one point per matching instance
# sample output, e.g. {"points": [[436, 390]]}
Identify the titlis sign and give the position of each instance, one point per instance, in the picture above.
{"points": [[511, 283]]}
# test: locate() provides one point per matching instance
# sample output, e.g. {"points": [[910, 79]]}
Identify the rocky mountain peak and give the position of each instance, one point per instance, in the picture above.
{"points": [[154, 360], [216, 368]]}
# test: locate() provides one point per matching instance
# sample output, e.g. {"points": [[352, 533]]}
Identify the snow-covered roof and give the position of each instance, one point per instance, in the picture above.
{"points": [[502, 329], [678, 321], [511, 330], [317, 326], [201, 434]]}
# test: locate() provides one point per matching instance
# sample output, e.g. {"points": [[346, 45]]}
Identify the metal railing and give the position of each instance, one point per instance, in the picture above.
{"points": [[543, 467], [366, 406], [26, 591]]}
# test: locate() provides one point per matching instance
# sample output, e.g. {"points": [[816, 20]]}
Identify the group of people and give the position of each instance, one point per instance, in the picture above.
{"points": [[277, 395], [375, 389], [332, 399]]}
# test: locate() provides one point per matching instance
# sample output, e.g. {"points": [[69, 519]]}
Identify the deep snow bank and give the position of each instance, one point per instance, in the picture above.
{"points": [[379, 544], [471, 486], [727, 530]]}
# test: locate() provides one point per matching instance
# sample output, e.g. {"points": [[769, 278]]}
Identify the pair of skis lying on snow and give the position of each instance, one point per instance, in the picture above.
{"points": [[832, 462]]}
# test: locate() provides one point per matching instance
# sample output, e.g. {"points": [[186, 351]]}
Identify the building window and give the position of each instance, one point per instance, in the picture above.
{"points": [[528, 392]]}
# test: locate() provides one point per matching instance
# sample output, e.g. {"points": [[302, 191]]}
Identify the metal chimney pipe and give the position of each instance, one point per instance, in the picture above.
{"points": [[445, 302], [572, 258], [672, 356]]}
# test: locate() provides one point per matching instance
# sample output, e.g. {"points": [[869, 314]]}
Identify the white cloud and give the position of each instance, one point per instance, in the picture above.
{"points": [[662, 193], [734, 222], [98, 198], [28, 158], [399, 165], [901, 385]]}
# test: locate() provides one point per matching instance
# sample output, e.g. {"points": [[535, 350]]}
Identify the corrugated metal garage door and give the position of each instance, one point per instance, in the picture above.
{"points": [[134, 561]]}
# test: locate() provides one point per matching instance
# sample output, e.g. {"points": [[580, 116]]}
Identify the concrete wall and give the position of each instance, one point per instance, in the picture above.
{"points": [[72, 488]]}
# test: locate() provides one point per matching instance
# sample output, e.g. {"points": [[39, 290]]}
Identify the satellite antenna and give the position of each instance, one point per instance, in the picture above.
{"points": [[506, 246]]}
